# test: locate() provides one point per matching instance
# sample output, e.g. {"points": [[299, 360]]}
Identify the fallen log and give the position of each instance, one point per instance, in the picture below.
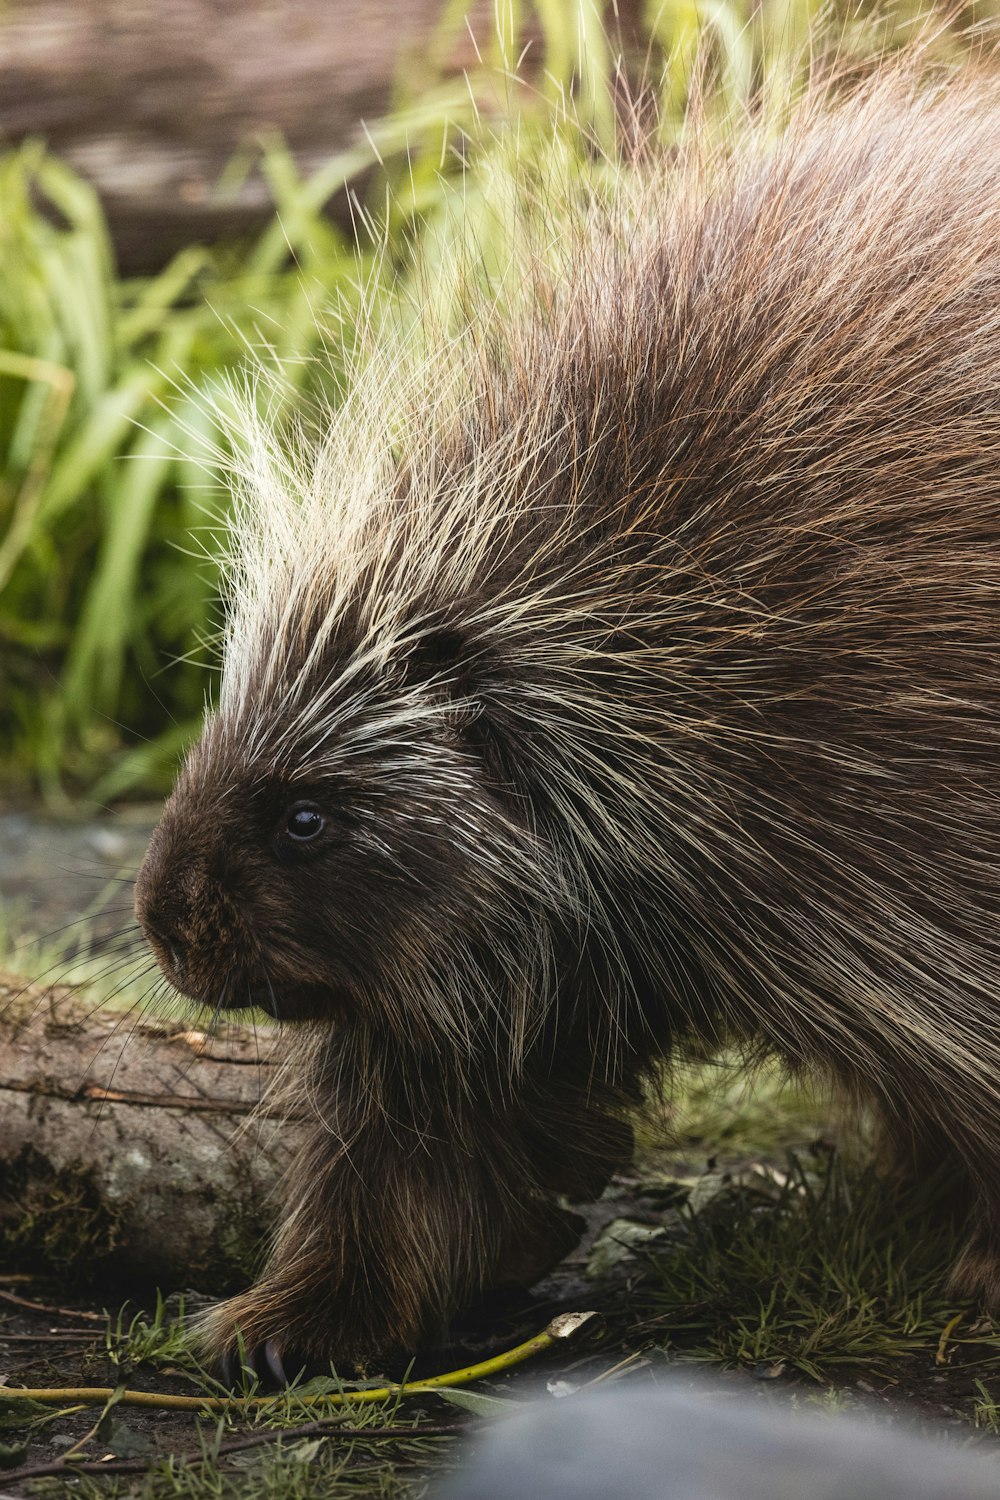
{"points": [[132, 1146], [150, 102]]}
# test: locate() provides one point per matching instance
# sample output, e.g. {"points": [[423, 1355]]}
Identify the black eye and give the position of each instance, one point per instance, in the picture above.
{"points": [[304, 821]]}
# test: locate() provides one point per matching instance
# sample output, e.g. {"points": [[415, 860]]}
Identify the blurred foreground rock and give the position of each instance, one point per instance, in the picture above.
{"points": [[710, 1444], [126, 1143]]}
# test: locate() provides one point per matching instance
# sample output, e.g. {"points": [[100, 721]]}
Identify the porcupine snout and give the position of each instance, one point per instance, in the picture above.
{"points": [[182, 905], [165, 917]]}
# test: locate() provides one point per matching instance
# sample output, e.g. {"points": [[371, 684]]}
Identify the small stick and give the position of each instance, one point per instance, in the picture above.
{"points": [[942, 1356], [44, 1307], [52, 1336]]}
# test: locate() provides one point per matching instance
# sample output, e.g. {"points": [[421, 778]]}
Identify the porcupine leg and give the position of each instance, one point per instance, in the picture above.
{"points": [[975, 1202], [911, 1149], [384, 1241], [572, 1146], [968, 1192]]}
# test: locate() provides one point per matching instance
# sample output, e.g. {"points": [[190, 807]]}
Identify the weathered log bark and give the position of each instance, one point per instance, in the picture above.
{"points": [[127, 1145], [151, 101]]}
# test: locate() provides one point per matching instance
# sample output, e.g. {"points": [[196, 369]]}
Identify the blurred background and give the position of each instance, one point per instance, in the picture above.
{"points": [[189, 184]]}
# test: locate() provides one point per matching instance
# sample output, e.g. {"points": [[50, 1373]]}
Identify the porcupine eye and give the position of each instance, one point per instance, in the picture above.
{"points": [[304, 822]]}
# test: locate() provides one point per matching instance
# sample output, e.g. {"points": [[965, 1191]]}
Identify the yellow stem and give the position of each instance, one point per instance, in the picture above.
{"points": [[941, 1357], [566, 1326]]}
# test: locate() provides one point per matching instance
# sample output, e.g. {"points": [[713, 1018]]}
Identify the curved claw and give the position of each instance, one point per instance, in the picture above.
{"points": [[231, 1368], [263, 1364], [274, 1369]]}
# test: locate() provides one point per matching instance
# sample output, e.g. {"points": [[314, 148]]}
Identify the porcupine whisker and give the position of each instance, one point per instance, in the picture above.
{"points": [[55, 974], [135, 1014]]}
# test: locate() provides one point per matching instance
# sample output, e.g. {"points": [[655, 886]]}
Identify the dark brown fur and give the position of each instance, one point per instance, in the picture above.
{"points": [[656, 697]]}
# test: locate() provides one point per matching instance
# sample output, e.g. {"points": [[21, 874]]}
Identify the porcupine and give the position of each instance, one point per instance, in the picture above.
{"points": [[635, 685]]}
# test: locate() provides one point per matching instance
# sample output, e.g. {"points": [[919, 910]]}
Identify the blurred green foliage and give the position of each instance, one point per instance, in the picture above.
{"points": [[111, 479]]}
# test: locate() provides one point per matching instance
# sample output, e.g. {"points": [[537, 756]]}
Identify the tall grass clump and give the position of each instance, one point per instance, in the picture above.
{"points": [[111, 479], [107, 489]]}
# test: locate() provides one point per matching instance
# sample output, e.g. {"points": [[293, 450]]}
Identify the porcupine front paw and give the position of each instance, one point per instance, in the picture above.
{"points": [[261, 1337], [235, 1339]]}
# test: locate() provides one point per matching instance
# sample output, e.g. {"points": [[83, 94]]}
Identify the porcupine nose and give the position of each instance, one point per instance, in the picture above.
{"points": [[172, 952], [155, 923], [168, 952]]}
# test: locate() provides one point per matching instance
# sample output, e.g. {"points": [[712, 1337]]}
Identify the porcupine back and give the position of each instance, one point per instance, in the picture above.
{"points": [[725, 503], [697, 525]]}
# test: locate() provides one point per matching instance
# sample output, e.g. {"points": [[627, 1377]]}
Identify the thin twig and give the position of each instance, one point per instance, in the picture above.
{"points": [[52, 1336], [44, 1307]]}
